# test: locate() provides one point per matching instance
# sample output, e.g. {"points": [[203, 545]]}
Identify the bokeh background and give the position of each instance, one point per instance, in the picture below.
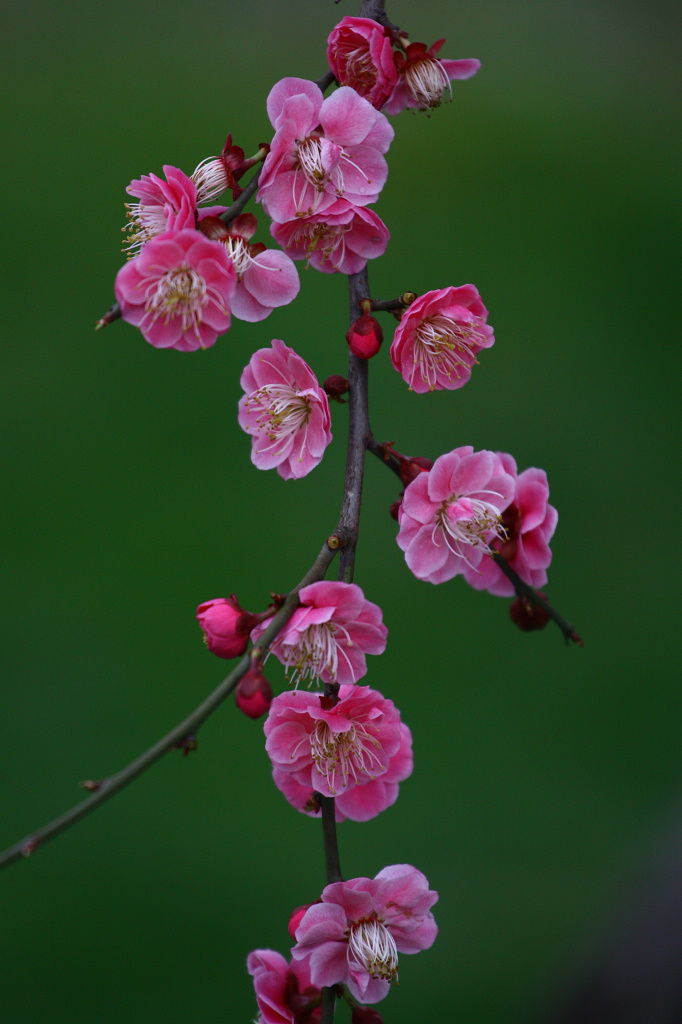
{"points": [[543, 774]]}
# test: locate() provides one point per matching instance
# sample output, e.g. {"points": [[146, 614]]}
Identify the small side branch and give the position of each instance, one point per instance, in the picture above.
{"points": [[524, 591]]}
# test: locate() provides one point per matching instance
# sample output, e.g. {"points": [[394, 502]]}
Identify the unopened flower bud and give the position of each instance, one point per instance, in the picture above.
{"points": [[253, 694], [365, 337], [296, 918], [366, 1015], [335, 386], [395, 508], [528, 616], [226, 626]]}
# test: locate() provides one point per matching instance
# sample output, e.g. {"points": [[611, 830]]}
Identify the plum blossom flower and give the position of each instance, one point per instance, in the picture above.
{"points": [[285, 410], [322, 149], [528, 524], [226, 626], [334, 750], [283, 991], [353, 936], [360, 54], [423, 78], [266, 278], [438, 338], [178, 290], [451, 514], [341, 239], [163, 205], [328, 637]]}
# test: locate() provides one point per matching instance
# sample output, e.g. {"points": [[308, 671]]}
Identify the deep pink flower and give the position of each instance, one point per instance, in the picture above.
{"points": [[353, 936], [528, 524], [283, 991], [163, 206], [333, 750], [178, 290], [451, 514], [285, 410], [226, 626], [423, 78], [341, 239], [328, 637], [438, 338], [322, 149], [360, 54], [360, 802]]}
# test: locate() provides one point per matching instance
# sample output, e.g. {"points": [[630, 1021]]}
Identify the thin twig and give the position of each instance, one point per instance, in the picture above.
{"points": [[523, 590], [238, 205]]}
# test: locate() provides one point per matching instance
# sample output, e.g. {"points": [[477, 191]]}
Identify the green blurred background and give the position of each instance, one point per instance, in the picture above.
{"points": [[552, 183]]}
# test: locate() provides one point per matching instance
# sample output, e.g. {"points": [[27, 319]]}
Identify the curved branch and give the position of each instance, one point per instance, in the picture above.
{"points": [[183, 734]]}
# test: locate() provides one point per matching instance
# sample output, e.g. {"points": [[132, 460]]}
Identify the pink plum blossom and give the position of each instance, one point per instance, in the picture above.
{"points": [[360, 54], [322, 149], [335, 749], [451, 514], [226, 626], [528, 524], [285, 410], [178, 290], [266, 278], [423, 78], [438, 338], [328, 637], [163, 205], [283, 991], [353, 936], [360, 802], [341, 239]]}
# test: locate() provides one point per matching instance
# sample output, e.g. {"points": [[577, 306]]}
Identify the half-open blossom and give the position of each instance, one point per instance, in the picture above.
{"points": [[528, 524], [283, 991], [333, 749], [360, 54], [328, 637], [178, 290], [423, 78], [216, 174], [266, 278], [353, 936], [163, 205], [322, 149], [439, 337], [451, 514], [285, 410], [341, 239]]}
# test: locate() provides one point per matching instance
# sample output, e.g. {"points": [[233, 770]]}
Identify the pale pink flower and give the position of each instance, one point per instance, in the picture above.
{"points": [[163, 206], [328, 637], [353, 936], [423, 78], [360, 54], [322, 149], [178, 290], [341, 239], [451, 514], [360, 802], [528, 524], [439, 337], [285, 410], [266, 278], [335, 750], [283, 991]]}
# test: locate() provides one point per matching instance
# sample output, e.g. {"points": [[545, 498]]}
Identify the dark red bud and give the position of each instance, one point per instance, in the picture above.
{"points": [[366, 1015], [395, 508], [365, 337], [296, 918], [410, 469], [253, 694], [335, 386], [528, 616]]}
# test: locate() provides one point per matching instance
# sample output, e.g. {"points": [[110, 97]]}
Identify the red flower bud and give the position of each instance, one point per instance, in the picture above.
{"points": [[365, 337], [335, 386], [528, 616], [296, 918], [395, 508], [226, 626], [253, 694], [366, 1015]]}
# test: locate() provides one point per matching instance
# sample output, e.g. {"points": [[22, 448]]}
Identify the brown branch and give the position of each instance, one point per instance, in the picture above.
{"points": [[238, 205], [523, 590]]}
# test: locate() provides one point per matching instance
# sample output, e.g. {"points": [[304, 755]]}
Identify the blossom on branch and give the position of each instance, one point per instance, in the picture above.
{"points": [[163, 205], [283, 991], [528, 524], [341, 239], [328, 637], [423, 78], [226, 626], [323, 149], [285, 410], [451, 514], [178, 290], [353, 936], [438, 338], [360, 54]]}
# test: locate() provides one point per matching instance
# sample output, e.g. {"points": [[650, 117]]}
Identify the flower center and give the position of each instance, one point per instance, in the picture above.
{"points": [[372, 948], [445, 346], [144, 223], [211, 178], [310, 161], [321, 166], [316, 652], [328, 239], [179, 292], [282, 413], [426, 80], [238, 251], [344, 753], [467, 523], [360, 67]]}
